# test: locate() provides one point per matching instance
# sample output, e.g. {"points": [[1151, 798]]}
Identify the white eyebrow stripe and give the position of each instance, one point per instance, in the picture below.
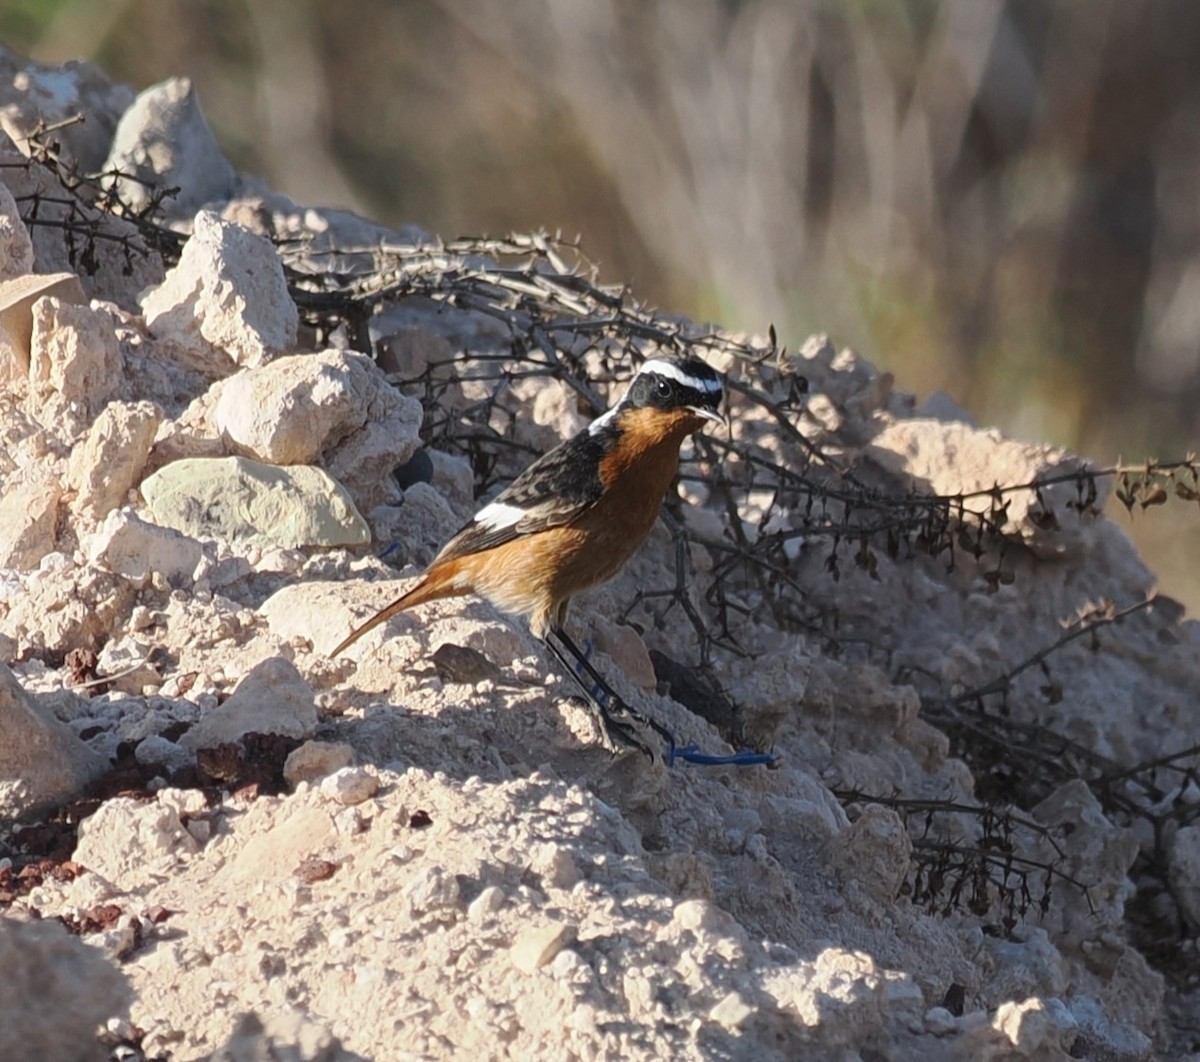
{"points": [[498, 515], [674, 372]]}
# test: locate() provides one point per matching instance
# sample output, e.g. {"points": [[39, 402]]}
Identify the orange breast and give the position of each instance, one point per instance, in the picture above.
{"points": [[533, 574]]}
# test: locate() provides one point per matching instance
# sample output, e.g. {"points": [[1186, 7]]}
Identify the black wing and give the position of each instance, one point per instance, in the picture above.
{"points": [[553, 491]]}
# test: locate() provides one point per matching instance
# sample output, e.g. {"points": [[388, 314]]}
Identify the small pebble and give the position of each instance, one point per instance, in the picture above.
{"points": [[538, 946]]}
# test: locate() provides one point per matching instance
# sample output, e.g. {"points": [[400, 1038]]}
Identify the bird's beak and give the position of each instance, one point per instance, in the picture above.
{"points": [[708, 414]]}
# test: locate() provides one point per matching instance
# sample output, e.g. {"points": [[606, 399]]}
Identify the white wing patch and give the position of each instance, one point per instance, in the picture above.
{"points": [[499, 515], [674, 372]]}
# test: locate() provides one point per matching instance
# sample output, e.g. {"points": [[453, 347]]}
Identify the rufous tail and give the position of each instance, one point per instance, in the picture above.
{"points": [[434, 584]]}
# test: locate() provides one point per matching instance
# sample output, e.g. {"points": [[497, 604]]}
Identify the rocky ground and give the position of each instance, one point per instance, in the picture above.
{"points": [[217, 842]]}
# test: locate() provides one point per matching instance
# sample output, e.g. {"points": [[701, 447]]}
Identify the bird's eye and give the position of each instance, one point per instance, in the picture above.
{"points": [[662, 388]]}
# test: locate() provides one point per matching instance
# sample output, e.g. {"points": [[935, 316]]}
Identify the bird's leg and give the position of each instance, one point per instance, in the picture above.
{"points": [[606, 704]]}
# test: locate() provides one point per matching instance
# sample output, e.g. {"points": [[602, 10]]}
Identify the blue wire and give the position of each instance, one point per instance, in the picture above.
{"points": [[744, 758]]}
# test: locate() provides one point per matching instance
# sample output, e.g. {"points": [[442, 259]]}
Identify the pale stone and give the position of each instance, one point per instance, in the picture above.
{"points": [[16, 248], [164, 141], [136, 549], [949, 457], [38, 95], [28, 522], [732, 1011], [17, 296], [240, 500], [55, 992], [350, 786], [335, 407], [226, 303], [272, 699], [41, 761], [110, 460], [129, 843], [874, 851], [314, 760], [537, 946], [624, 646], [75, 358], [1185, 872]]}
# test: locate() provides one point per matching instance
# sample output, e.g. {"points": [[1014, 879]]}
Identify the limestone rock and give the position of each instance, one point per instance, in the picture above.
{"points": [[16, 248], [539, 945], [134, 548], [128, 842], [41, 761], [226, 303], [17, 296], [75, 360], [315, 760], [272, 699], [59, 606], [33, 94], [110, 461], [874, 851], [334, 407], [316, 610], [1185, 872], [349, 786], [240, 500], [55, 993], [164, 141], [28, 521], [947, 457]]}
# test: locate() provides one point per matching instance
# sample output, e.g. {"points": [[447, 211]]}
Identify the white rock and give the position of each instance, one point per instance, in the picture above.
{"points": [[131, 843], [41, 95], [16, 248], [164, 141], [539, 945], [350, 785], [948, 457], [136, 549], [226, 303], [41, 761], [157, 751], [109, 462], [314, 760], [554, 865], [1035, 1029], [272, 699], [335, 408], [486, 904], [1184, 869], [55, 992], [433, 892], [874, 851], [75, 360], [17, 296], [28, 521], [120, 266], [940, 1022], [731, 1011], [453, 476]]}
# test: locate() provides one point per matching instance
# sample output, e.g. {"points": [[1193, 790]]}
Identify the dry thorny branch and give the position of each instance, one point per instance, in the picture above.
{"points": [[780, 492]]}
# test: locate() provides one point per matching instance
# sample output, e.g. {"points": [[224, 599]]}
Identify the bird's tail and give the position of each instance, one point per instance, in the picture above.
{"points": [[434, 584]]}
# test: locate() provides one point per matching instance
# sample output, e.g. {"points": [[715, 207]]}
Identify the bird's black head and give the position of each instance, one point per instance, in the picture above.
{"points": [[677, 384]]}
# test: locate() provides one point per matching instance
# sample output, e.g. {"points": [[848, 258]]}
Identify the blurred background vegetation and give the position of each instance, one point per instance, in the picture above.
{"points": [[999, 199]]}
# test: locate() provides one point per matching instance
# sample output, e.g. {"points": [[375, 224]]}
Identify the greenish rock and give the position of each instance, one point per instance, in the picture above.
{"points": [[240, 500]]}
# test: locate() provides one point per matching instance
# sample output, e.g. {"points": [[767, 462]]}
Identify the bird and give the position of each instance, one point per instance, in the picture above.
{"points": [[572, 520]]}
